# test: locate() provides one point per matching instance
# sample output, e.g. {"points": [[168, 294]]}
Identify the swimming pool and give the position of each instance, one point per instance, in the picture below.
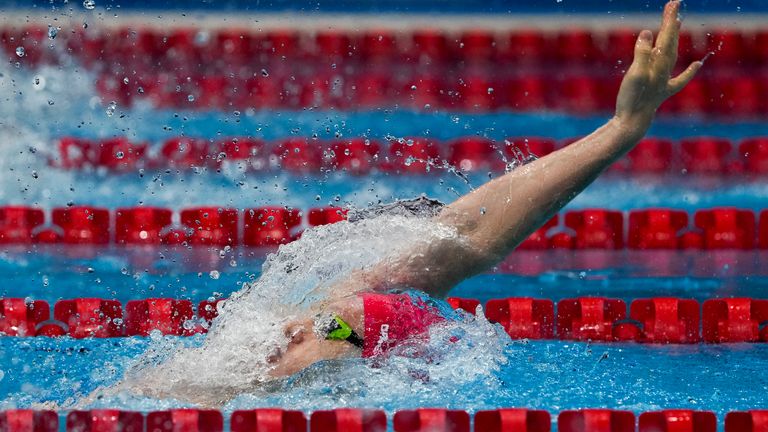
{"points": [[97, 131]]}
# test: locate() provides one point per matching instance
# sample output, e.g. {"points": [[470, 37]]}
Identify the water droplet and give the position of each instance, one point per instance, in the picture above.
{"points": [[191, 98], [20, 51], [111, 107], [214, 274], [413, 87], [482, 210], [125, 80], [490, 90], [46, 282], [52, 32], [89, 4], [264, 73], [119, 155]]}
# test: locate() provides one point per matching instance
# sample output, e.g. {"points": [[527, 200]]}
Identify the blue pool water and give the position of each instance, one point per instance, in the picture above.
{"points": [[486, 370]]}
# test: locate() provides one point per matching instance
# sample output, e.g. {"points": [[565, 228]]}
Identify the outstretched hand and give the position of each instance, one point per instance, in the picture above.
{"points": [[649, 81]]}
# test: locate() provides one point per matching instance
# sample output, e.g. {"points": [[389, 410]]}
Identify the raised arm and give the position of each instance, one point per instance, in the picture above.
{"points": [[519, 202], [499, 215]]}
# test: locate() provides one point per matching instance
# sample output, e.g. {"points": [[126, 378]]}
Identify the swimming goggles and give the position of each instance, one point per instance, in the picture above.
{"points": [[336, 329]]}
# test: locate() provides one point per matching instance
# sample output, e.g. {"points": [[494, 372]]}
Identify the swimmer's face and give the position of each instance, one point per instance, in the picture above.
{"points": [[306, 347]]}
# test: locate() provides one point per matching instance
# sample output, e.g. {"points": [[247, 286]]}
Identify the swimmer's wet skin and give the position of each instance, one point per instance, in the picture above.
{"points": [[493, 219]]}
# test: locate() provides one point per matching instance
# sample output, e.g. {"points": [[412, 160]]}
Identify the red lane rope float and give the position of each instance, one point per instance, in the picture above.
{"points": [[657, 320], [698, 156], [202, 68], [724, 228], [365, 420]]}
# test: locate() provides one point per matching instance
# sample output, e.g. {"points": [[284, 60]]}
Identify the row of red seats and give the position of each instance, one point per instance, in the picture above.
{"points": [[371, 420], [93, 317], [261, 227], [190, 47], [655, 320], [720, 228], [707, 156], [722, 95]]}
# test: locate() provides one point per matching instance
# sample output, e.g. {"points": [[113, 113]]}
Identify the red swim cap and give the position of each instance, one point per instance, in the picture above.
{"points": [[393, 318]]}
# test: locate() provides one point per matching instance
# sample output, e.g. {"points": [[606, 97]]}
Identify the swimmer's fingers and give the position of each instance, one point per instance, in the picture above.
{"points": [[665, 51], [643, 48], [679, 82]]}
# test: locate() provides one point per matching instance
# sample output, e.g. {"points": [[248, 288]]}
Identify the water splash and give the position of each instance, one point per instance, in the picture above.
{"points": [[233, 358]]}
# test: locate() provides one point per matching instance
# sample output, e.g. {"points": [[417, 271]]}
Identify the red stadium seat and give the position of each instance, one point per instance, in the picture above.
{"points": [[411, 155], [538, 240], [651, 156], [75, 153], [727, 228], [677, 420], [523, 318], [184, 153], [270, 226], [596, 420], [733, 320], [596, 228], [760, 47], [469, 305], [656, 228], [519, 420], [207, 310], [378, 46], [475, 154], [83, 225], [747, 421], [754, 154], [327, 215], [18, 223], [168, 316], [119, 154], [476, 46], [527, 48], [348, 419], [141, 225], [320, 91], [355, 156], [576, 46], [211, 225], [298, 155], [186, 420], [431, 420], [23, 420], [268, 420], [527, 93], [589, 318], [104, 420], [19, 317], [429, 46], [667, 320], [90, 317]]}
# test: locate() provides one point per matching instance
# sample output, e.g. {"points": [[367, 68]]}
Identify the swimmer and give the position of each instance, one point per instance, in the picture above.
{"points": [[359, 315], [492, 220]]}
